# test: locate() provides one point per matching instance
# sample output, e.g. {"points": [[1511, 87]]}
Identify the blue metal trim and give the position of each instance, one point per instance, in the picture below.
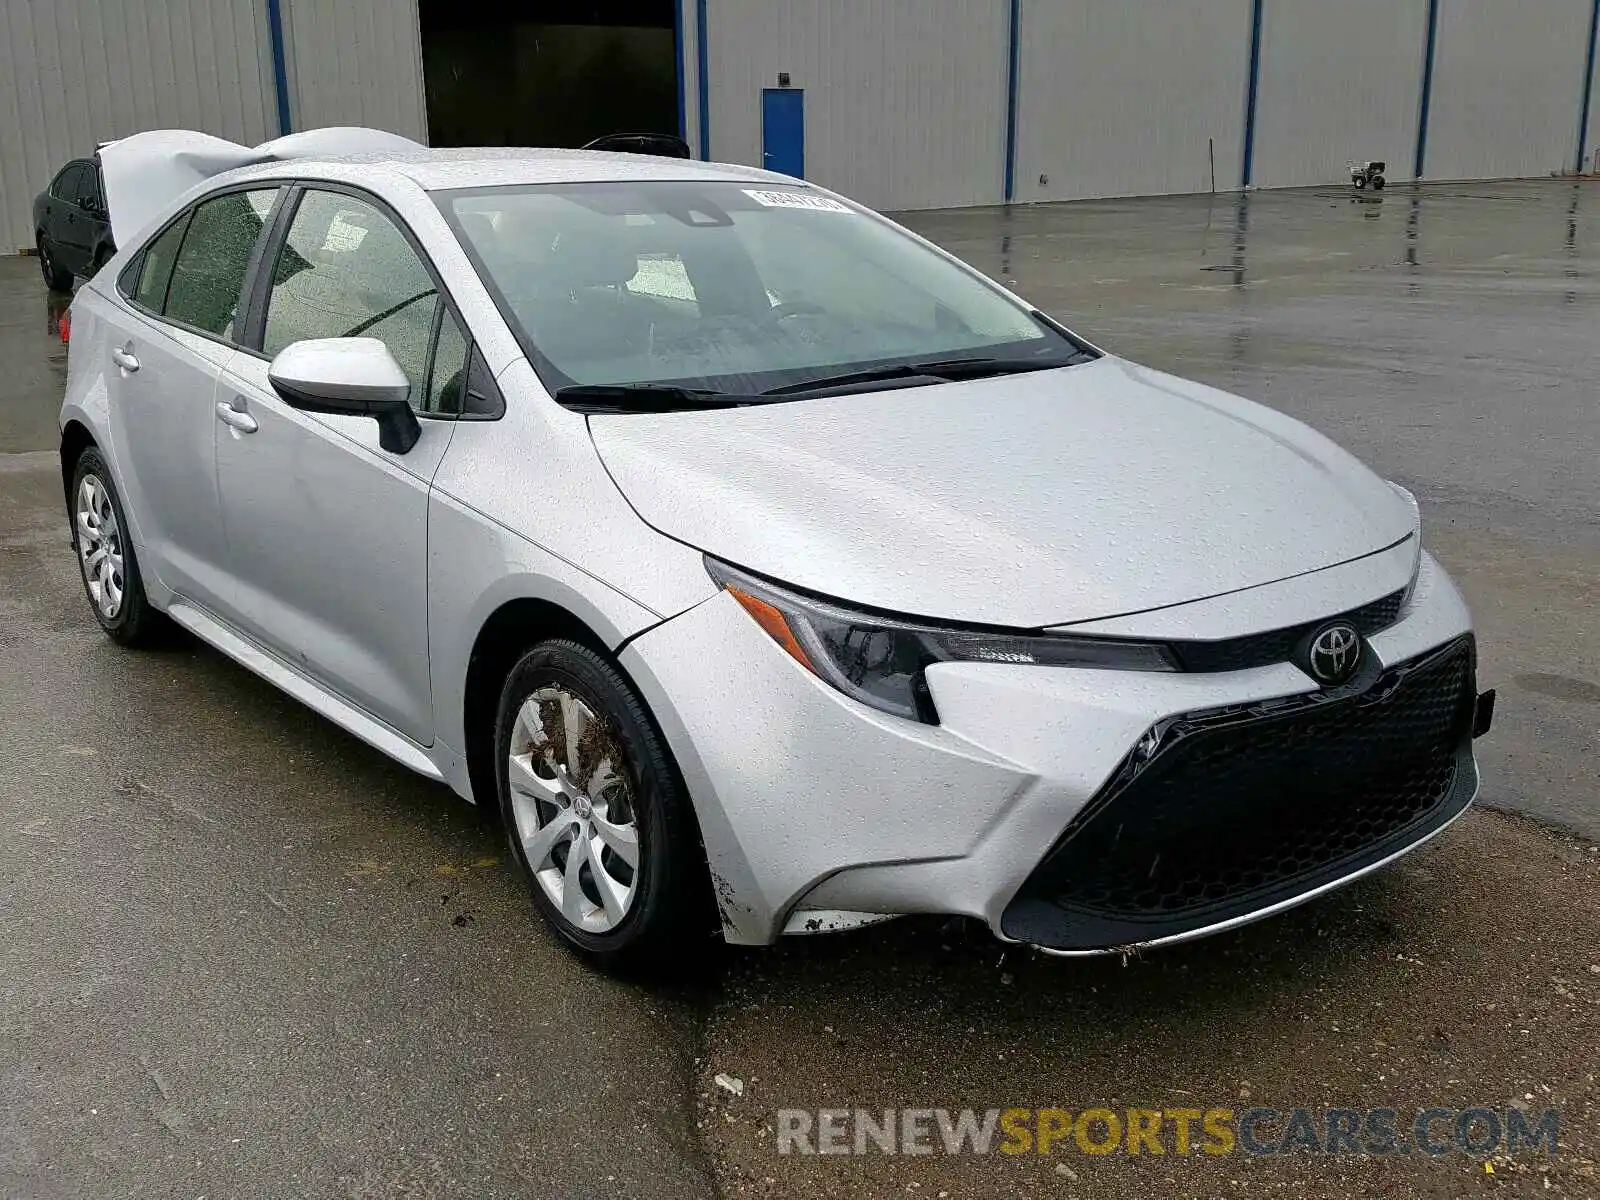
{"points": [[1425, 105], [703, 78], [1013, 82], [1251, 92], [1588, 88], [682, 63], [280, 65]]}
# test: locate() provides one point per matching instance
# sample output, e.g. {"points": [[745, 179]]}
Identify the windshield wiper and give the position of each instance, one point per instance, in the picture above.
{"points": [[945, 369], [643, 398]]}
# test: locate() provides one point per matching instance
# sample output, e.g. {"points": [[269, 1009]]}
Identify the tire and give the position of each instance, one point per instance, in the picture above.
{"points": [[115, 589], [1379, 183], [56, 279], [614, 779], [1361, 183]]}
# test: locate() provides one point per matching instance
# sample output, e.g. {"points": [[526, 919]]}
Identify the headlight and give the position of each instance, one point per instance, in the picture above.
{"points": [[1416, 548], [879, 660]]}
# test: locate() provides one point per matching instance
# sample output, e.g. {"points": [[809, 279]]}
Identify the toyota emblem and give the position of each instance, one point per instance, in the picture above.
{"points": [[1334, 653]]}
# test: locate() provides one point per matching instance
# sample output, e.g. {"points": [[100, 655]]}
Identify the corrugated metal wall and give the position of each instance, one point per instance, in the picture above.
{"points": [[1591, 142], [905, 99], [77, 72], [356, 62], [1506, 88], [1339, 81], [1120, 99]]}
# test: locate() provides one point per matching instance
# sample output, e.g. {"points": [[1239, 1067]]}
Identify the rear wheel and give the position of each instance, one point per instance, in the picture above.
{"points": [[105, 555], [55, 278], [595, 813]]}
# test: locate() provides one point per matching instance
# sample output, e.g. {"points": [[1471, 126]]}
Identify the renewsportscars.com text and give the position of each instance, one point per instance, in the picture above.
{"points": [[1180, 1131]]}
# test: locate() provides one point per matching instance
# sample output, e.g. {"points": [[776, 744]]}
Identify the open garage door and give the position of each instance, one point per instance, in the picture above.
{"points": [[548, 72]]}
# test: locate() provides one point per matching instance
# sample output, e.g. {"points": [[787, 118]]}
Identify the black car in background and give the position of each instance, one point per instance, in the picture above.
{"points": [[71, 226]]}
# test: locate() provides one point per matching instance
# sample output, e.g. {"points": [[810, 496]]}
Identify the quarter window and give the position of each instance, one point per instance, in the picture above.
{"points": [[155, 268], [346, 270], [209, 272], [447, 380]]}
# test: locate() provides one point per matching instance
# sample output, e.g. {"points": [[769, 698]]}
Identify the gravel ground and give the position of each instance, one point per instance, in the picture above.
{"points": [[1467, 976]]}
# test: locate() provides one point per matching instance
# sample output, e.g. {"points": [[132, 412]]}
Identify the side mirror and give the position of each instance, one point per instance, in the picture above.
{"points": [[353, 376]]}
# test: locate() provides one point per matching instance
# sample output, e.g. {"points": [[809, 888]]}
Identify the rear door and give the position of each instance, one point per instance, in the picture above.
{"points": [[176, 331], [327, 531], [68, 227]]}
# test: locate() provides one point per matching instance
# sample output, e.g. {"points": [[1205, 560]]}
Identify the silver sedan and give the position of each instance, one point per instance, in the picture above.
{"points": [[769, 570]]}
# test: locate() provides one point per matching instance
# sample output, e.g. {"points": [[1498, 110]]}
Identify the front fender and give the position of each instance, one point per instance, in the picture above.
{"points": [[475, 567]]}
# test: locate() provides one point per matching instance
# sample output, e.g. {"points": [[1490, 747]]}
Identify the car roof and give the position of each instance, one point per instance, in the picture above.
{"points": [[496, 166]]}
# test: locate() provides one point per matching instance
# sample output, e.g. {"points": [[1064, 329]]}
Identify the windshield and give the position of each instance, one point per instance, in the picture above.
{"points": [[723, 288]]}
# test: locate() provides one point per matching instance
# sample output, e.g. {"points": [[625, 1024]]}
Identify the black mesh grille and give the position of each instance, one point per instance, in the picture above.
{"points": [[1277, 646], [1234, 810]]}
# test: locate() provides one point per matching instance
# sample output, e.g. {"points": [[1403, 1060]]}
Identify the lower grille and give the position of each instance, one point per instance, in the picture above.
{"points": [[1221, 813]]}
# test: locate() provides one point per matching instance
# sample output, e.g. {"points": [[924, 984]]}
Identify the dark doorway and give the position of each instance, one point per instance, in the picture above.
{"points": [[548, 72]]}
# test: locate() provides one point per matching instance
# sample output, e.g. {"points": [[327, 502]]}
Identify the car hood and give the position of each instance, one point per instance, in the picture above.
{"points": [[1026, 500]]}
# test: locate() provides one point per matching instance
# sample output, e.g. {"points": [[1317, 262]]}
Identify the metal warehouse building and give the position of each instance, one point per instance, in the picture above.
{"points": [[900, 103]]}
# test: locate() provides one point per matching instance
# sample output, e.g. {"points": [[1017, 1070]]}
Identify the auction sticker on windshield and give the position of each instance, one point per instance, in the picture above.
{"points": [[796, 200]]}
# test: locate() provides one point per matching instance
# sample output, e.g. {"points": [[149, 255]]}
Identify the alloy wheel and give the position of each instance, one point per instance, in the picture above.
{"points": [[99, 546], [574, 810]]}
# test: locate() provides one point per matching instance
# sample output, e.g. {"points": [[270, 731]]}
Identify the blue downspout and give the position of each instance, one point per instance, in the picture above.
{"points": [[1013, 80], [280, 65], [702, 77], [1251, 91], [683, 62], [1588, 88], [1426, 103]]}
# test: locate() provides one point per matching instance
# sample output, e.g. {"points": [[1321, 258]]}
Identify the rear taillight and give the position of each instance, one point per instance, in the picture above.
{"points": [[64, 326]]}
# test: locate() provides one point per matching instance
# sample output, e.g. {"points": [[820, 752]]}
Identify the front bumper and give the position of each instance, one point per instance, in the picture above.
{"points": [[1215, 818], [811, 804]]}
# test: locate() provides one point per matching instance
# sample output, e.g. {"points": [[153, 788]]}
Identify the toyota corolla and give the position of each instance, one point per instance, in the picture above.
{"points": [[754, 558]]}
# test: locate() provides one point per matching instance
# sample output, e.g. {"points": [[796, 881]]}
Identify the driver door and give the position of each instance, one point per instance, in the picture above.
{"points": [[327, 531]]}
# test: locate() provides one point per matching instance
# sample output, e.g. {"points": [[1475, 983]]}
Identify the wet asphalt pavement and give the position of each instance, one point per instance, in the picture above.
{"points": [[243, 955]]}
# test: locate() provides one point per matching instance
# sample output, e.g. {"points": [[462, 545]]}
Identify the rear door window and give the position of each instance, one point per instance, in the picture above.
{"points": [[208, 274], [66, 184], [88, 194]]}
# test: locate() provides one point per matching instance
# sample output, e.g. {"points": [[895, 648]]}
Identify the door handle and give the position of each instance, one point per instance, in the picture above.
{"points": [[124, 358], [233, 418]]}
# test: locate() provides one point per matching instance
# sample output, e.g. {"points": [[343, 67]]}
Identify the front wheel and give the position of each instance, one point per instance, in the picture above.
{"points": [[595, 812]]}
